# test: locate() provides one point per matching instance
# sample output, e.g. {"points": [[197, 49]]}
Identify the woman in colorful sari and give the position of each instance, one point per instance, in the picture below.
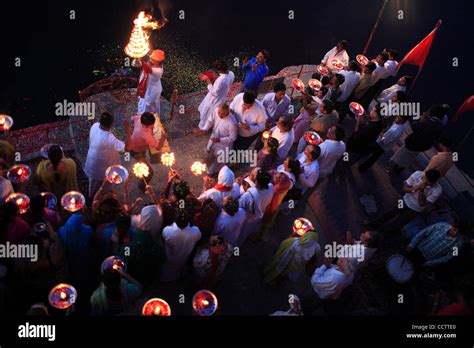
{"points": [[281, 184], [206, 217], [292, 256], [57, 174]]}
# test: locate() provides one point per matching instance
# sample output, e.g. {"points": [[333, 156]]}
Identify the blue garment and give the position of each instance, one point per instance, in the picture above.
{"points": [[254, 78]]}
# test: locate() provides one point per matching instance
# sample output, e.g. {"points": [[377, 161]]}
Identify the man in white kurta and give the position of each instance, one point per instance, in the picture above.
{"points": [[251, 117], [255, 201], [230, 221], [328, 281], [284, 133], [224, 133], [332, 149], [387, 94], [217, 92], [339, 52], [225, 187], [309, 163], [351, 79], [104, 151], [179, 244], [151, 74]]}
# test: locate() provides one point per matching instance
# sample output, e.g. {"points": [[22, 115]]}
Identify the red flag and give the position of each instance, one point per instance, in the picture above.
{"points": [[418, 54], [466, 106]]}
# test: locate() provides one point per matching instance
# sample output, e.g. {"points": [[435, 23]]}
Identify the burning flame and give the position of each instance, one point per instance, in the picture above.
{"points": [[266, 135], [205, 303], [167, 159], [141, 170], [198, 168], [139, 46], [63, 295], [157, 310]]}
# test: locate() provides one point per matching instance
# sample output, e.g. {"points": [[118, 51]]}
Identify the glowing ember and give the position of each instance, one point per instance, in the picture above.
{"points": [[139, 46], [113, 262], [205, 303], [167, 159], [301, 226], [361, 59], [62, 296], [356, 108], [116, 174], [312, 138], [298, 85], [336, 64], [266, 135], [198, 168], [21, 200], [156, 306], [141, 170], [73, 201], [6, 122], [323, 70], [19, 173], [315, 84]]}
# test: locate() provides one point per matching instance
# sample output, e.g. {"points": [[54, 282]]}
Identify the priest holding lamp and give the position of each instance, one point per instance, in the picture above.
{"points": [[149, 86]]}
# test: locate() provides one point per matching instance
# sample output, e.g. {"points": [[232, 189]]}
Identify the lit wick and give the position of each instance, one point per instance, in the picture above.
{"points": [[63, 295], [157, 310], [205, 303]]}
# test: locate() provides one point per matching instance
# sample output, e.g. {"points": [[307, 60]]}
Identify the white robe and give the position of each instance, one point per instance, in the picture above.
{"points": [[230, 227], [226, 130], [255, 202], [216, 95], [151, 101], [218, 196], [179, 244]]}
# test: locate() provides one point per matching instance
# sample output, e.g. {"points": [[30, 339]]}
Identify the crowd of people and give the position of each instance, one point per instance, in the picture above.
{"points": [[179, 233]]}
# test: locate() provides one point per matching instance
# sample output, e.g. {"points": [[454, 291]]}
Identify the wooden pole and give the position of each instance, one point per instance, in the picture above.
{"points": [[374, 28]]}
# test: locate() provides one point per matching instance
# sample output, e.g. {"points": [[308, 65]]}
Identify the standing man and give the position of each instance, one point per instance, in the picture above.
{"points": [[276, 103], [255, 71], [149, 86], [104, 150], [217, 92], [251, 118], [339, 52], [224, 133], [332, 149]]}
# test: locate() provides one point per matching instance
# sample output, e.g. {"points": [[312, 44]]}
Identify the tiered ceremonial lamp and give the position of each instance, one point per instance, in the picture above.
{"points": [[139, 44]]}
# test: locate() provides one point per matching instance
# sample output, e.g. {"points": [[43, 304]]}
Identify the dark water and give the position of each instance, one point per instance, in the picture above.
{"points": [[61, 56]]}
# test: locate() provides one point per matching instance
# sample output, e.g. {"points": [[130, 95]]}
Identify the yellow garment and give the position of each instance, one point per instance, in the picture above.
{"points": [[67, 176], [159, 131]]}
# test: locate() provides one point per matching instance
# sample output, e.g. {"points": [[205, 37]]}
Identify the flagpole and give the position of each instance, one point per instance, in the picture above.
{"points": [[374, 28]]}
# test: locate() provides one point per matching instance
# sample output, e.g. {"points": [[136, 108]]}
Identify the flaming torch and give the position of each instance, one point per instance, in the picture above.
{"points": [[139, 46], [198, 168], [167, 159], [141, 171]]}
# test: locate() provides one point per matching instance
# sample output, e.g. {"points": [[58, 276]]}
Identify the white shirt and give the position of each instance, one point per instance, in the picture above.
{"points": [[6, 188], [255, 201], [351, 80], [291, 176], [431, 193], [151, 101], [255, 117], [229, 227], [331, 151], [310, 175], [328, 283], [387, 94], [103, 152], [273, 109], [379, 73], [391, 67], [223, 128], [388, 139], [342, 56], [216, 95], [285, 141], [179, 243], [218, 196]]}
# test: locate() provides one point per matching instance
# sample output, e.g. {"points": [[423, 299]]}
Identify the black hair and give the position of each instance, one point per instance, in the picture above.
{"points": [[354, 66], [231, 205], [343, 43], [325, 80], [181, 218], [263, 178], [220, 65], [273, 144], [37, 205], [436, 110], [408, 80], [279, 86], [393, 53], [106, 120], [432, 175], [147, 119], [294, 166], [384, 56], [123, 223], [316, 75], [340, 133], [444, 140], [316, 152], [111, 279], [55, 155], [328, 105], [217, 240], [340, 79], [181, 190], [371, 66], [402, 96], [249, 98], [265, 53], [287, 121]]}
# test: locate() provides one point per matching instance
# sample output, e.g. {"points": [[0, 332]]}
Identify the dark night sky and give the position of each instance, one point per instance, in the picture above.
{"points": [[56, 65]]}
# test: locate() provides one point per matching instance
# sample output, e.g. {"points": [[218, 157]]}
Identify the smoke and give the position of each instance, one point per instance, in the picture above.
{"points": [[159, 9]]}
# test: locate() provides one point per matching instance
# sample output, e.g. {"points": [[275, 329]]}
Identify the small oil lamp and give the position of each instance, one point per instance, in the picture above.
{"points": [[298, 85], [205, 303], [323, 70], [73, 201], [156, 307], [312, 138], [116, 174], [361, 59], [6, 122], [356, 108], [315, 84], [301, 226], [21, 200], [19, 173], [113, 262], [62, 296], [50, 198], [336, 64]]}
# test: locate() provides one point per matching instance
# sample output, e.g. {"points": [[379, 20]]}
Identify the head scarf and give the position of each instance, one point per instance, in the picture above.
{"points": [[148, 219], [225, 180]]}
